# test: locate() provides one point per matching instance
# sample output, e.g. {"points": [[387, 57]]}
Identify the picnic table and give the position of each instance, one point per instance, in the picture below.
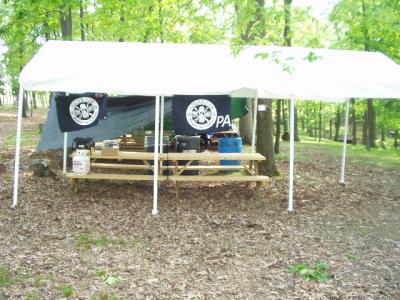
{"points": [[177, 163]]}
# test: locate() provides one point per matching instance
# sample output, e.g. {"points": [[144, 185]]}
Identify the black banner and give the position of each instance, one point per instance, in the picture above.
{"points": [[201, 114], [76, 112]]}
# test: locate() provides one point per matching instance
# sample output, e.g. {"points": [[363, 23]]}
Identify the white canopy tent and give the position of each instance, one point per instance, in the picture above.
{"points": [[166, 69]]}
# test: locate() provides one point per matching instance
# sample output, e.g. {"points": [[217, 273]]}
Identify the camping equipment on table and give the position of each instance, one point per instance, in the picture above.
{"points": [[186, 143], [149, 147], [230, 145], [82, 143], [110, 147]]}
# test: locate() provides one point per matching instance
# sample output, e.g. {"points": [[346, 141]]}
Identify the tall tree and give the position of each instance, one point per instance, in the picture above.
{"points": [[265, 144], [337, 123], [354, 122]]}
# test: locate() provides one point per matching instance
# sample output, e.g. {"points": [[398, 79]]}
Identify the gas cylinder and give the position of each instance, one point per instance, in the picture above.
{"points": [[81, 162]]}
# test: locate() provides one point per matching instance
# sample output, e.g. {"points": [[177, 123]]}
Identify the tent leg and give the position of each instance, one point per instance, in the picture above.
{"points": [[291, 160], [18, 146], [156, 156], [346, 125], [65, 153], [162, 124], [253, 135]]}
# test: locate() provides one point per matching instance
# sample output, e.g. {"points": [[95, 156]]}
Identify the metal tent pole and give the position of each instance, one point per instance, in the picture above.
{"points": [[65, 153], [291, 160], [18, 146], [162, 124], [346, 125], [253, 136], [156, 156]]}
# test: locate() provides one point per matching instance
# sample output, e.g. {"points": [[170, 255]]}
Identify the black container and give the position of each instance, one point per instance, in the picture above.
{"points": [[82, 143], [149, 147], [186, 143]]}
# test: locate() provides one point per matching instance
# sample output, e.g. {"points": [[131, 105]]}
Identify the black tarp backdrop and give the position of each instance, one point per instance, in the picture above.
{"points": [[125, 114], [197, 114]]}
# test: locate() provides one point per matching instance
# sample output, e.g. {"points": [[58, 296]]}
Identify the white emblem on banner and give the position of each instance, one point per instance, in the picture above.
{"points": [[201, 114], [84, 110]]}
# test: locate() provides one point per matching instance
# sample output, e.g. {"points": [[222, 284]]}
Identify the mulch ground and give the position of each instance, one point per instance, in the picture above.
{"points": [[224, 241]]}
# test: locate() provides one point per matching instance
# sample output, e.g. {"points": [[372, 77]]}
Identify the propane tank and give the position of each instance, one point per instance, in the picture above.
{"points": [[81, 162]]}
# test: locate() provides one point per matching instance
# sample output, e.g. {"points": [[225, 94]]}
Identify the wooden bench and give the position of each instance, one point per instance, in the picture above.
{"points": [[175, 162]]}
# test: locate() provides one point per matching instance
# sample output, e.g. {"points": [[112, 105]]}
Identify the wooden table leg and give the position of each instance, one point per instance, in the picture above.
{"points": [[177, 189], [75, 185], [176, 173]]}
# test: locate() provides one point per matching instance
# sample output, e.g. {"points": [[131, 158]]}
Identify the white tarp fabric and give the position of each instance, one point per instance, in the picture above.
{"points": [[168, 69]]}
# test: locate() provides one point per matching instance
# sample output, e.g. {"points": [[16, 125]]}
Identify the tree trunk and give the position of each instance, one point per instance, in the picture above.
{"points": [[337, 124], [354, 121], [330, 128], [296, 127], [320, 121], [396, 139], [81, 20], [383, 138], [34, 100], [365, 129], [278, 126], [25, 107], [284, 118], [246, 123], [66, 22], [371, 124], [315, 123], [265, 144]]}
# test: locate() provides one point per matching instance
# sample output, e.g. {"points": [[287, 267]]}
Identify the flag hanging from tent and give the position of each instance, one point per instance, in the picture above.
{"points": [[201, 114], [77, 112]]}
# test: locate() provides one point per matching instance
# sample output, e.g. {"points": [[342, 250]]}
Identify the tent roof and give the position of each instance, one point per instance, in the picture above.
{"points": [[168, 69]]}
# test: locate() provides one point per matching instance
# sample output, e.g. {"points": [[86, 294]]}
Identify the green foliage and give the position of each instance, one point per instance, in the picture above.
{"points": [[368, 25], [33, 296], [87, 242], [6, 278], [108, 278], [67, 290], [350, 255], [317, 272], [102, 295], [111, 280], [28, 138]]}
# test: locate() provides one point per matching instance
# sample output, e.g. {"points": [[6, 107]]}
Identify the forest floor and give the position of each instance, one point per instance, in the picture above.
{"points": [[218, 241]]}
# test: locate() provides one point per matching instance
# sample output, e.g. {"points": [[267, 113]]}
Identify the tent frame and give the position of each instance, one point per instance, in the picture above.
{"points": [[158, 140]]}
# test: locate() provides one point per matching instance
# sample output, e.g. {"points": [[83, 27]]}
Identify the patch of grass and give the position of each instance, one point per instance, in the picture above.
{"points": [[67, 290], [6, 278], [41, 281], [109, 279], [8, 107], [102, 295], [87, 242], [28, 138], [364, 231], [33, 296], [101, 273], [350, 255], [317, 272], [357, 154], [8, 178]]}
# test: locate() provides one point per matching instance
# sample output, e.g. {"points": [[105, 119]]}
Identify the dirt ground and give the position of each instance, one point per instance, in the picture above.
{"points": [[218, 241]]}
